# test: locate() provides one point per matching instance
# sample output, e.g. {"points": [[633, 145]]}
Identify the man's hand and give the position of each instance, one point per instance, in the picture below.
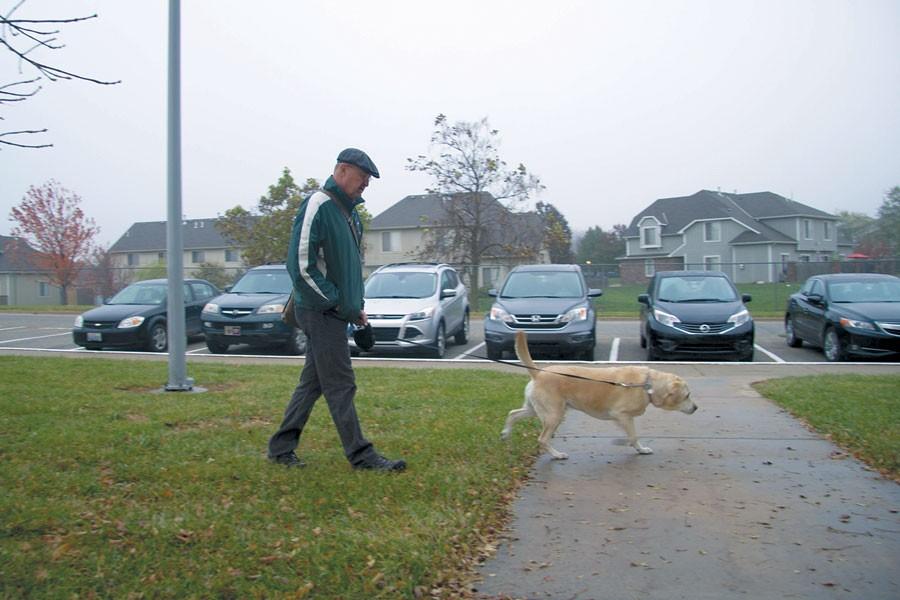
{"points": [[363, 319]]}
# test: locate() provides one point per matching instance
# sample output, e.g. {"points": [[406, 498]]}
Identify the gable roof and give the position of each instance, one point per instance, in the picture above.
{"points": [[411, 212], [150, 236], [750, 210], [16, 262]]}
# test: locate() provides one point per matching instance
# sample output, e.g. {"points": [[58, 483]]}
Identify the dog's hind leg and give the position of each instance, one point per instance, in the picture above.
{"points": [[518, 414], [626, 422], [551, 420]]}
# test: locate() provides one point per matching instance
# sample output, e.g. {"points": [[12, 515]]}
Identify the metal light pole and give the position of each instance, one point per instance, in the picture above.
{"points": [[178, 381]]}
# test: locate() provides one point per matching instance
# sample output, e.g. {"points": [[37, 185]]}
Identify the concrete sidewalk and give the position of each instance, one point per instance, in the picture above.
{"points": [[739, 500]]}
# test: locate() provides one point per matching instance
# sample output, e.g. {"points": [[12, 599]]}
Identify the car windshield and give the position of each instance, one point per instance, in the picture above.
{"points": [[543, 284], [401, 285], [865, 291], [141, 293], [695, 289], [263, 282]]}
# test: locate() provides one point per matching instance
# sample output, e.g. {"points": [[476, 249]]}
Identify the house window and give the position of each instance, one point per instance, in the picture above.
{"points": [[489, 276], [390, 241], [649, 267], [650, 235], [712, 263], [804, 258], [827, 234], [133, 260], [807, 229], [712, 231], [161, 256], [232, 255], [43, 289], [198, 256]]}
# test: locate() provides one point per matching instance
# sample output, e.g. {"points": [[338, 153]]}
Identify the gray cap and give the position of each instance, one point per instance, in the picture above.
{"points": [[354, 156]]}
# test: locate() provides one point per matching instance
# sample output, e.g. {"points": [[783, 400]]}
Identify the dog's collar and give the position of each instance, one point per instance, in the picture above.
{"points": [[648, 387]]}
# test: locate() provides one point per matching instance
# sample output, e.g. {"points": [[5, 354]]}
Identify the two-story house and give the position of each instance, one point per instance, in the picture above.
{"points": [[21, 281], [752, 237], [144, 245], [404, 231]]}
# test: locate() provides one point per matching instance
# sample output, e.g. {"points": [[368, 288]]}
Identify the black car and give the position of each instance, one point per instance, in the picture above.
{"points": [[846, 314], [552, 304], [136, 316], [250, 313], [690, 314]]}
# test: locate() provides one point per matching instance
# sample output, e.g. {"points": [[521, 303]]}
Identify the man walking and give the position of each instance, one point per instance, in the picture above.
{"points": [[326, 269]]}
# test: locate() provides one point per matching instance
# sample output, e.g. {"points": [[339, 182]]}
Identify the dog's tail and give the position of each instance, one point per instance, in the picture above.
{"points": [[523, 353]]}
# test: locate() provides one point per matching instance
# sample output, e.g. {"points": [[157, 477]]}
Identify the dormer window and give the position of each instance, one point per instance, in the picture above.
{"points": [[650, 235]]}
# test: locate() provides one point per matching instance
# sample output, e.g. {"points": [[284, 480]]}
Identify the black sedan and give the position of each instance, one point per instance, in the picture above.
{"points": [[250, 313], [846, 314], [136, 316], [688, 314]]}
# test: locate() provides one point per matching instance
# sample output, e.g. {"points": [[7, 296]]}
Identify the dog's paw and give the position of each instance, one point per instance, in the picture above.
{"points": [[504, 435], [560, 456], [644, 450]]}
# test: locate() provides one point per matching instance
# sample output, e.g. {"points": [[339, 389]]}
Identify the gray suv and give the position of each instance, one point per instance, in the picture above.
{"points": [[552, 304], [416, 307]]}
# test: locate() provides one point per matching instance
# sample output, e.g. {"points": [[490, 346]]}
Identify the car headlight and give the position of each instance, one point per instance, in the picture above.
{"points": [[576, 314], [739, 318], [266, 309], [130, 322], [79, 321], [498, 314], [422, 314], [857, 324], [212, 307], [665, 318]]}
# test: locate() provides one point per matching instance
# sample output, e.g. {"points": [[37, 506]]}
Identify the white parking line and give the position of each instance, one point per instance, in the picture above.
{"points": [[11, 328], [39, 337], [774, 357], [614, 350], [469, 352], [197, 351]]}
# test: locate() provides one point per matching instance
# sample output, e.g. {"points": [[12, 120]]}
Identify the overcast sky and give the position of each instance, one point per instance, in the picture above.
{"points": [[612, 104]]}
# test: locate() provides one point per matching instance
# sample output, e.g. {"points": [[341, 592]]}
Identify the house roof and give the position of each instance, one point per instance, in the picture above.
{"points": [[750, 210], [12, 262], [412, 211], [149, 236]]}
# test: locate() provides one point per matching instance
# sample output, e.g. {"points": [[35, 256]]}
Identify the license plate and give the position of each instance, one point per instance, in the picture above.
{"points": [[93, 336], [232, 330]]}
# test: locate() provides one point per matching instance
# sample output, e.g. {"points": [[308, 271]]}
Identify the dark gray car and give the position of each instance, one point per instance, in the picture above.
{"points": [[552, 304]]}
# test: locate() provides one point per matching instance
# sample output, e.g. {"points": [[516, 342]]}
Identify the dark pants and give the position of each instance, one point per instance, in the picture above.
{"points": [[327, 371]]}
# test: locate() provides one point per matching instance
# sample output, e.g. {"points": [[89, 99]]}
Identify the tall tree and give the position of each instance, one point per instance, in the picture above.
{"points": [[889, 220], [50, 220], [602, 247], [479, 193], [856, 226], [25, 38], [557, 234], [263, 233]]}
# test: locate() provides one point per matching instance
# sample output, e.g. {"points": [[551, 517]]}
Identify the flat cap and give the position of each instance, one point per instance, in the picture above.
{"points": [[357, 157]]}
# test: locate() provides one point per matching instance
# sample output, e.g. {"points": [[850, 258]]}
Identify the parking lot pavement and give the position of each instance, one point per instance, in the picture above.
{"points": [[739, 500]]}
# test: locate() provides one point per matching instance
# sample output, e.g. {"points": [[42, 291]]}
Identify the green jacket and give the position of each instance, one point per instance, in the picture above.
{"points": [[324, 258]]}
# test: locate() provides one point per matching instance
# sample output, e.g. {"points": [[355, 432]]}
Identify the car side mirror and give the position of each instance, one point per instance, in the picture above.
{"points": [[492, 293], [644, 299], [228, 288], [595, 293], [815, 298], [746, 297], [448, 293]]}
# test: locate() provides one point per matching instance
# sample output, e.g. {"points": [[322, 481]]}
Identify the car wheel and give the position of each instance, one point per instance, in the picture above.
{"points": [[643, 340], [833, 347], [651, 351], [462, 336], [296, 344], [92, 347], [746, 356], [440, 342], [588, 355], [790, 333], [494, 353], [157, 337], [216, 347]]}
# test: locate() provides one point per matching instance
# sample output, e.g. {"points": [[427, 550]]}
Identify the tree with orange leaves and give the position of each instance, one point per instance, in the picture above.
{"points": [[51, 222]]}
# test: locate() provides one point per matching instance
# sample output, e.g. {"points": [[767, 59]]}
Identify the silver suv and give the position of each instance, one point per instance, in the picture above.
{"points": [[416, 306]]}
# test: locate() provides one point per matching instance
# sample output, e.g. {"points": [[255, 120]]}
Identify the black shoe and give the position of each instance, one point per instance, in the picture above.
{"points": [[380, 463], [289, 460]]}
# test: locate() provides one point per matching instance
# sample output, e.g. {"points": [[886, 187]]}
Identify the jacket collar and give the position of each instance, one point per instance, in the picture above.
{"points": [[332, 186]]}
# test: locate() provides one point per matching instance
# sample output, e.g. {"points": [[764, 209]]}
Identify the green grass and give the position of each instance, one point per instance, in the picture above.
{"points": [[75, 309], [114, 490], [620, 301], [859, 412]]}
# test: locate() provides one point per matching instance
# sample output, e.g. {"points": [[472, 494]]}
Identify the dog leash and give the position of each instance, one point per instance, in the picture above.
{"points": [[648, 387]]}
